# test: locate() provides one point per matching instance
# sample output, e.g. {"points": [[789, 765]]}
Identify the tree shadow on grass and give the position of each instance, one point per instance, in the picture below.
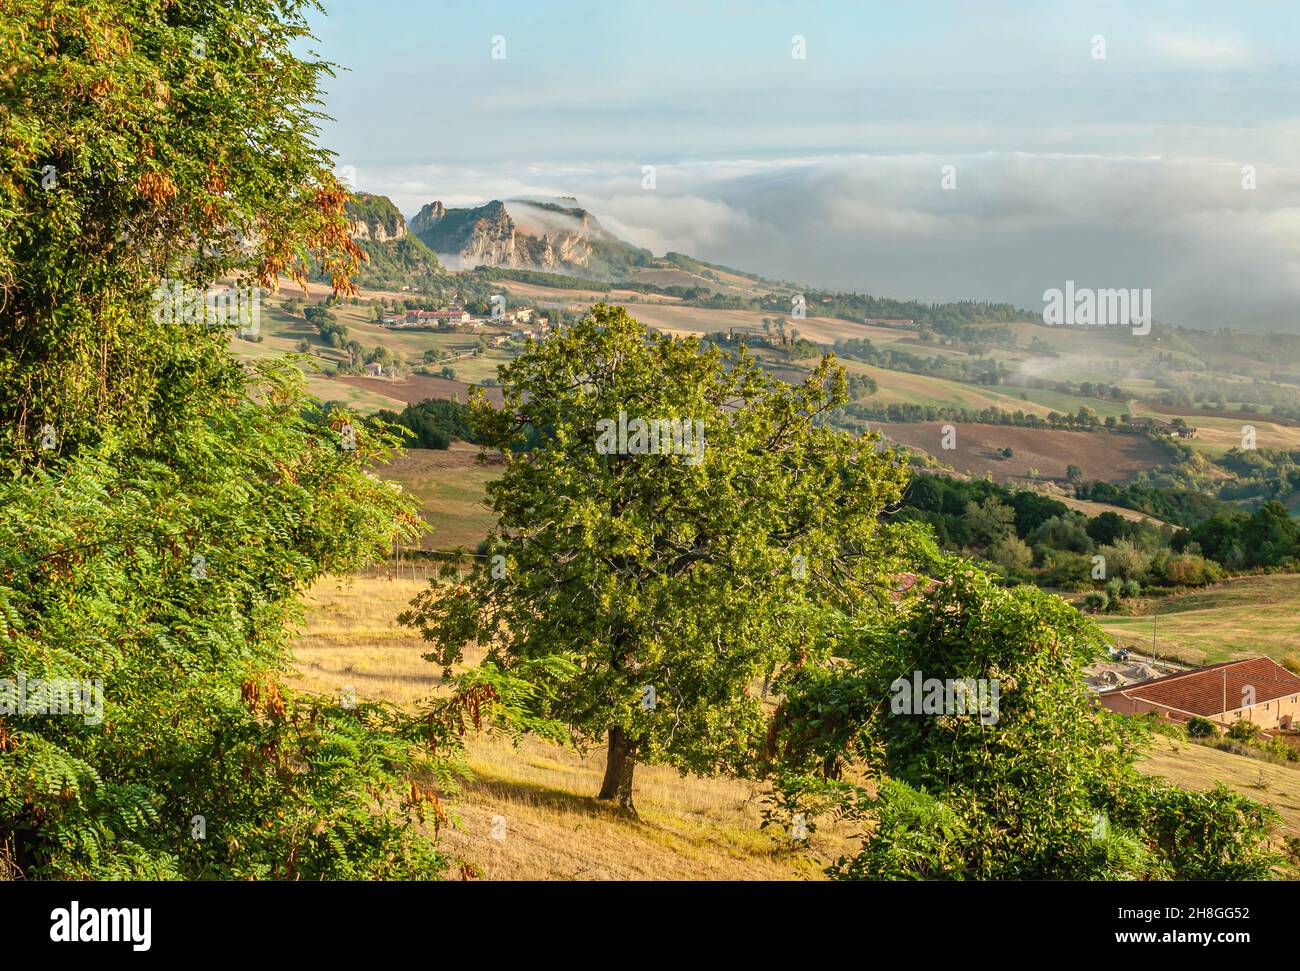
{"points": [[549, 797]]}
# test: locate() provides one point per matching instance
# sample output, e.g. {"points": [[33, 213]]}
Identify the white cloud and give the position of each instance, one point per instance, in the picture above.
{"points": [[1017, 223], [1201, 51]]}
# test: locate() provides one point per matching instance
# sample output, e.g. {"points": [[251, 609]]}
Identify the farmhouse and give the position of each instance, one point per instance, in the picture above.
{"points": [[375, 370], [1176, 430], [1256, 689]]}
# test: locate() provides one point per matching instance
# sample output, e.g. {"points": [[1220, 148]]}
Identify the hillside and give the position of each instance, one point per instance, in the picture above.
{"points": [[395, 258], [1105, 456], [691, 828], [1244, 616]]}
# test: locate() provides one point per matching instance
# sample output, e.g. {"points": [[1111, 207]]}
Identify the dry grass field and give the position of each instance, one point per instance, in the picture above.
{"points": [[1195, 766], [450, 485], [414, 388], [1239, 618], [690, 828]]}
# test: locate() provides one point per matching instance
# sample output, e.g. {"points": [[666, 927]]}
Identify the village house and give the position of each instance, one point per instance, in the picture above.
{"points": [[375, 370], [1256, 689]]}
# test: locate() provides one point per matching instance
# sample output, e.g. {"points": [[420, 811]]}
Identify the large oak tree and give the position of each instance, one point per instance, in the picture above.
{"points": [[672, 587]]}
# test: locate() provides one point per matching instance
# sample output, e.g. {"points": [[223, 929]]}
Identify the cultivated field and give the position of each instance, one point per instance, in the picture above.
{"points": [[413, 388], [1215, 436], [1107, 456], [1238, 618]]}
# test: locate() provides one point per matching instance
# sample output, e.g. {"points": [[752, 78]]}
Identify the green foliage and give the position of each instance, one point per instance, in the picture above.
{"points": [[1264, 538], [433, 423], [1045, 790], [1242, 730], [157, 539], [651, 571], [1198, 727], [1098, 601]]}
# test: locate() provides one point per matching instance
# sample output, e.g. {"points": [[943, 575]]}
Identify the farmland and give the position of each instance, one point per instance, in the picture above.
{"points": [[1107, 456], [450, 486]]}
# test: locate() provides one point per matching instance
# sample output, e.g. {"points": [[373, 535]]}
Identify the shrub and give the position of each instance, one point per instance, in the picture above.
{"points": [[1242, 730], [1198, 727], [1097, 601]]}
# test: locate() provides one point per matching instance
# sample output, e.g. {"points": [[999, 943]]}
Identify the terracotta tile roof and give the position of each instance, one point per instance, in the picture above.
{"points": [[1203, 691], [906, 582]]}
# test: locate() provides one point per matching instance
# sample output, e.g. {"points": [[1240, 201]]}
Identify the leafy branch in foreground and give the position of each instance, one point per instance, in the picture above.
{"points": [[163, 506]]}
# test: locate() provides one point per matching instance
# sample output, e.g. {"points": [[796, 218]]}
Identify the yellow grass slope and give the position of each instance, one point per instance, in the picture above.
{"points": [[690, 828]]}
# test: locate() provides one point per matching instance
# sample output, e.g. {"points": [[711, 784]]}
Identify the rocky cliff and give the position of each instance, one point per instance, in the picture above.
{"points": [[375, 219], [396, 257], [525, 234]]}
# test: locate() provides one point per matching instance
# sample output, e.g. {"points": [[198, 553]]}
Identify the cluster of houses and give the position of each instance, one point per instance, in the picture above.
{"points": [[523, 323], [1172, 429], [530, 323]]}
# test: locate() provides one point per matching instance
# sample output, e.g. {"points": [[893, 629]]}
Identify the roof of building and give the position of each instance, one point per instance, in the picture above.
{"points": [[1216, 688]]}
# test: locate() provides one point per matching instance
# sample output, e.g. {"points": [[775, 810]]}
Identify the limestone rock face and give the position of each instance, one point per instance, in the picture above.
{"points": [[523, 234], [375, 219]]}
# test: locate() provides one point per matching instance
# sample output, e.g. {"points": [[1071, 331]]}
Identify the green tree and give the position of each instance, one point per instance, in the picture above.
{"points": [[674, 583], [1035, 784], [1270, 535], [990, 521], [163, 505]]}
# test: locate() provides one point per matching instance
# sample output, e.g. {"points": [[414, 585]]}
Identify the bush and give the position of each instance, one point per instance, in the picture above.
{"points": [[1097, 601], [1243, 730], [1198, 727]]}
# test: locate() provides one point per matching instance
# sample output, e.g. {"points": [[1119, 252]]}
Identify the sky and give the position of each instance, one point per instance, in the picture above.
{"points": [[928, 150]]}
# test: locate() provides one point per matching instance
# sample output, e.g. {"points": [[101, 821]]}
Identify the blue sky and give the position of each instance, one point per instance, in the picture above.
{"points": [[826, 169]]}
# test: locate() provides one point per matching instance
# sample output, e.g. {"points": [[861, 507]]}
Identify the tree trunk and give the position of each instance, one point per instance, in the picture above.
{"points": [[618, 770]]}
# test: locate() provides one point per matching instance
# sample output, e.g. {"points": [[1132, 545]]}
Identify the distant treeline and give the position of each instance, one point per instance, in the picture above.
{"points": [[974, 371], [1268, 537], [540, 278], [1182, 507], [1030, 537]]}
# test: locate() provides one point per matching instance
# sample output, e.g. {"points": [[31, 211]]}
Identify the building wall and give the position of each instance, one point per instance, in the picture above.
{"points": [[1281, 712]]}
